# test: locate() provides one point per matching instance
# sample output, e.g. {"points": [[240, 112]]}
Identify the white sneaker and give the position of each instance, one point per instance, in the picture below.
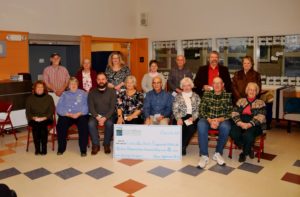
{"points": [[203, 161], [219, 159]]}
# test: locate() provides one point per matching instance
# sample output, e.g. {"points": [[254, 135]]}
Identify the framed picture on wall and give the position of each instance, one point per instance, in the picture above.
{"points": [[265, 54], [2, 48]]}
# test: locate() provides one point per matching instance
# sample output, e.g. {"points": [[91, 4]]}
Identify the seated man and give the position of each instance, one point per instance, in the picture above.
{"points": [[215, 111], [101, 101], [158, 104]]}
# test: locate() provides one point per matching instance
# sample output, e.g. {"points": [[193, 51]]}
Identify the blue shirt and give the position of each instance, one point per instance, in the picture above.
{"points": [[72, 102], [158, 103]]}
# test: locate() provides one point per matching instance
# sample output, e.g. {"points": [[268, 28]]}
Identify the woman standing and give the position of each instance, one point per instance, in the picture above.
{"points": [[116, 71], [72, 108], [243, 77], [147, 78], [186, 111], [130, 103], [39, 113], [249, 118], [86, 76]]}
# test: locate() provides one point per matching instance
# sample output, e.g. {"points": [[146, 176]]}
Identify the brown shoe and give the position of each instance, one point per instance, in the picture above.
{"points": [[107, 149], [95, 149]]}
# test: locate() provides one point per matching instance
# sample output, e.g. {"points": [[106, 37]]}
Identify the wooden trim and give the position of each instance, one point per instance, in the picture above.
{"points": [[120, 40], [85, 47]]}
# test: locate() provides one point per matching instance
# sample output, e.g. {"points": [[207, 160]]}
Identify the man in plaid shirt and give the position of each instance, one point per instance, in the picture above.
{"points": [[215, 111]]}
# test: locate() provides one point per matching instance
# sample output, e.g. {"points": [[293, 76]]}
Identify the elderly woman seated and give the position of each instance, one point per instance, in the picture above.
{"points": [[130, 103], [186, 111], [72, 108], [249, 118]]}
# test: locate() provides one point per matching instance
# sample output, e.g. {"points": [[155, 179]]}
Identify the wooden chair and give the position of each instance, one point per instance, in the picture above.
{"points": [[6, 108], [52, 133], [258, 146], [213, 137], [73, 130]]}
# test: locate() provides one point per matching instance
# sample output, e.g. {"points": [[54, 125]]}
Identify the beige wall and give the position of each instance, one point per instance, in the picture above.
{"points": [[168, 19], [106, 18], [178, 19]]}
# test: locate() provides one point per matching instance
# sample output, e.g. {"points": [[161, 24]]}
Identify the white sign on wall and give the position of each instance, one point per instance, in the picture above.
{"points": [[157, 142]]}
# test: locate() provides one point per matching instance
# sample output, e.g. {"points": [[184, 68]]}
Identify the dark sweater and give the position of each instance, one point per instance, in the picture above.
{"points": [[102, 103], [40, 106], [202, 78]]}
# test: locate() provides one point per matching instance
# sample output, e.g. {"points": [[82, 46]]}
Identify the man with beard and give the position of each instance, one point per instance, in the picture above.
{"points": [[205, 75], [101, 101]]}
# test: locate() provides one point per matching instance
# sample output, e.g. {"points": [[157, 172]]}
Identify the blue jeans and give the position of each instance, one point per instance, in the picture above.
{"points": [[203, 127], [108, 131]]}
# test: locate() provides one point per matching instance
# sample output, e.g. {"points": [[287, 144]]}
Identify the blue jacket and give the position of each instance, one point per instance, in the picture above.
{"points": [[72, 102], [158, 103]]}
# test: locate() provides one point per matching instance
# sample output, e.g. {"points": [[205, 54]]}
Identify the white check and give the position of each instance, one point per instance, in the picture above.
{"points": [[157, 142]]}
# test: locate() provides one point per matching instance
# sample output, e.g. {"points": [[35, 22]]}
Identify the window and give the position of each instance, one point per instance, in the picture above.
{"points": [[279, 55], [196, 52], [232, 50], [165, 53]]}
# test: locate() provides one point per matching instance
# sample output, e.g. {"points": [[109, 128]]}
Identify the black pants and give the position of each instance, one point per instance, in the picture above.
{"points": [[245, 137], [62, 129], [187, 131], [40, 134]]}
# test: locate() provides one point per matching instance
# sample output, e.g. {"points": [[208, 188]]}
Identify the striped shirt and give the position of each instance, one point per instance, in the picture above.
{"points": [[216, 106], [56, 76]]}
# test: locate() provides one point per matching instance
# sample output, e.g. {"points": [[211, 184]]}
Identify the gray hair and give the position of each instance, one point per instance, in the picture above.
{"points": [[186, 80], [253, 85], [131, 77]]}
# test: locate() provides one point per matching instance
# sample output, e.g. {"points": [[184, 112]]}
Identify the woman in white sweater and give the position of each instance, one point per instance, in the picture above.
{"points": [[147, 79]]}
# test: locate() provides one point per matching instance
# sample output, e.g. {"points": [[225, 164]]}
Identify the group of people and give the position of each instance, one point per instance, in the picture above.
{"points": [[211, 101]]}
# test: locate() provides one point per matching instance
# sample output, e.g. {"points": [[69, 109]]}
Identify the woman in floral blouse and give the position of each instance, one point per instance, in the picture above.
{"points": [[130, 103], [116, 71]]}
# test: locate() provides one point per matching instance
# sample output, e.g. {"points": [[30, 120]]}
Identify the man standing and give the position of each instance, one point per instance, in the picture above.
{"points": [[205, 75], [215, 111], [176, 74], [101, 101], [158, 104], [56, 77]]}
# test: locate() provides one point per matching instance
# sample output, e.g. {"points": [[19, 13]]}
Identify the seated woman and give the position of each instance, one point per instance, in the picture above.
{"points": [[39, 113], [72, 108], [249, 118], [130, 103], [186, 111], [147, 78]]}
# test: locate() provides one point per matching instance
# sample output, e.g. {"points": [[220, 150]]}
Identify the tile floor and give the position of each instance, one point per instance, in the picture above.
{"points": [[277, 174]]}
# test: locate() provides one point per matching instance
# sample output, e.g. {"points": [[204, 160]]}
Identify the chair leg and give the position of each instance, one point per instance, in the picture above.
{"points": [[13, 131], [289, 126], [28, 138], [230, 149], [53, 138]]}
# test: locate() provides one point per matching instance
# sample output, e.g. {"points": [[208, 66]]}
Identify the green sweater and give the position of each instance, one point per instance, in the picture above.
{"points": [[40, 106]]}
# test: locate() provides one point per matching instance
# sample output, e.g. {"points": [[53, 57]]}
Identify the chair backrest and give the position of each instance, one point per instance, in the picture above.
{"points": [[5, 107]]}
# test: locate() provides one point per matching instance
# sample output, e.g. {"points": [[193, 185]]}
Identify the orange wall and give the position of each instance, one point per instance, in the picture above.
{"points": [[17, 55]]}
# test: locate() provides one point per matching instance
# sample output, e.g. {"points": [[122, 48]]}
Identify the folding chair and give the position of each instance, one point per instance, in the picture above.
{"points": [[51, 129], [258, 146], [213, 137], [6, 108], [74, 130]]}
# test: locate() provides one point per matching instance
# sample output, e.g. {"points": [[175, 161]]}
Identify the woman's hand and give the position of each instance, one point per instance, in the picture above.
{"points": [[120, 120], [179, 122]]}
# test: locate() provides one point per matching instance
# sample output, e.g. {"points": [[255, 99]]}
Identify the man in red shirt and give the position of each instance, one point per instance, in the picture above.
{"points": [[206, 74]]}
